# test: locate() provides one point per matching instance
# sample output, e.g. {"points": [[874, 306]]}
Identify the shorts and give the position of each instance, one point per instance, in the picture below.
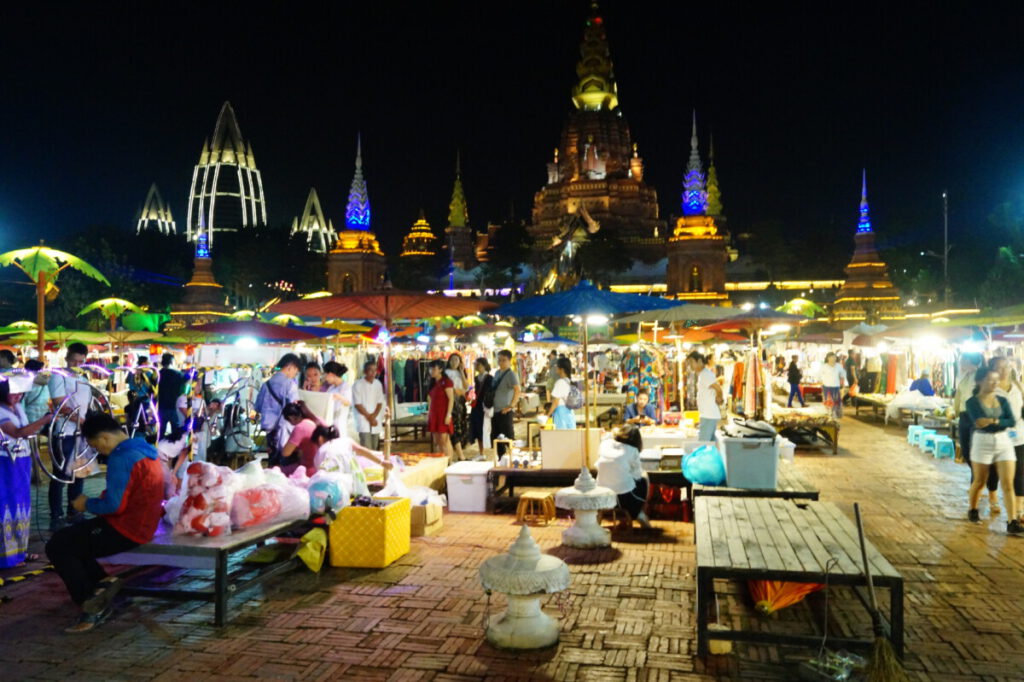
{"points": [[989, 448]]}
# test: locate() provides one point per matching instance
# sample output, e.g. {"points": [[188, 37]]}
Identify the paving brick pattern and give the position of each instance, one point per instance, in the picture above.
{"points": [[628, 615]]}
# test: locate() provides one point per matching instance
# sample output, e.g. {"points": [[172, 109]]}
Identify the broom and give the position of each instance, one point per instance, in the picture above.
{"points": [[884, 666]]}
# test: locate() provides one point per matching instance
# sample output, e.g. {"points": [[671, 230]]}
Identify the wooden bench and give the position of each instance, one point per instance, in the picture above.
{"points": [[195, 552], [748, 538], [790, 486], [413, 423]]}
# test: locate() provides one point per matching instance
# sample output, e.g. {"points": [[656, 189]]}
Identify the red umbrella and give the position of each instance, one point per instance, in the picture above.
{"points": [[384, 305], [263, 331]]}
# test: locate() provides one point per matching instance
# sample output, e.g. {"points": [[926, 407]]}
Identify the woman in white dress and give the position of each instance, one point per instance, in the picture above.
{"points": [[338, 453], [1009, 387], [340, 390], [461, 382]]}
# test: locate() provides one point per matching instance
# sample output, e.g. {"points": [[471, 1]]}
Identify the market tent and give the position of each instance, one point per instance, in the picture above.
{"points": [[687, 312], [384, 305], [801, 306], [263, 331], [755, 320], [60, 336]]}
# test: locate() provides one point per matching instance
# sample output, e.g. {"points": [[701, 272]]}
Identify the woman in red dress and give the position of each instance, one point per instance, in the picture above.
{"points": [[440, 402]]}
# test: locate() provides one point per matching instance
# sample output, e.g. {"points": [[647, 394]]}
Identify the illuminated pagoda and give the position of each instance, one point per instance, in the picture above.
{"points": [[596, 162], [155, 214], [868, 293], [204, 298], [697, 252], [319, 232], [420, 242], [227, 189], [356, 262], [459, 237]]}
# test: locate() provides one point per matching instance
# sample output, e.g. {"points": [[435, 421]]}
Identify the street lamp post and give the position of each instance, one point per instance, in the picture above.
{"points": [[945, 246]]}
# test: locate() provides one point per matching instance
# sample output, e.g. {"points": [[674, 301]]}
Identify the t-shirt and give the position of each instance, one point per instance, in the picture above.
{"points": [[368, 394], [505, 382], [1016, 400], [61, 385], [707, 404], [341, 410], [172, 383], [458, 380], [561, 390], [15, 416], [832, 376], [274, 394], [618, 466], [300, 438]]}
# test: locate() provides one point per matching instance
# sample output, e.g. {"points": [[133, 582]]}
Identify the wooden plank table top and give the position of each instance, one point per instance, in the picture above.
{"points": [[789, 485]]}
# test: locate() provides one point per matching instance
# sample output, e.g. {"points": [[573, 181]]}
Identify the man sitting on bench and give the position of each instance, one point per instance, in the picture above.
{"points": [[127, 515]]}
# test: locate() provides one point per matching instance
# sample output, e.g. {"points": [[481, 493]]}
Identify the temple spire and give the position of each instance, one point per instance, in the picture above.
{"points": [[357, 211], [458, 213], [595, 88], [695, 196], [864, 224], [714, 194]]}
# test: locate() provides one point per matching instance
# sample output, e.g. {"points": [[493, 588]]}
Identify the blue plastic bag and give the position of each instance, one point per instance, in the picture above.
{"points": [[704, 466], [323, 496]]}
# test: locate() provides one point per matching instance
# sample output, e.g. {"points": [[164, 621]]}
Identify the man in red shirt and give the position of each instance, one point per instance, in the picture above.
{"points": [[126, 515]]}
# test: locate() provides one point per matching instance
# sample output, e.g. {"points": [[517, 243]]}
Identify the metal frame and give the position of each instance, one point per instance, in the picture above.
{"points": [[63, 416]]}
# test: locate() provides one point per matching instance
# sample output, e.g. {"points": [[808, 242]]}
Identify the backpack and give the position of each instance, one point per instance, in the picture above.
{"points": [[574, 400], [488, 394]]}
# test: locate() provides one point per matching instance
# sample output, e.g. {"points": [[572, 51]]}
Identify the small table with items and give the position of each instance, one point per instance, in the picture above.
{"points": [[807, 425]]}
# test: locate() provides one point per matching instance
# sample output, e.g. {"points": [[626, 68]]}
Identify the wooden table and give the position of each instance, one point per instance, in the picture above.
{"points": [[196, 552], [414, 423], [504, 480], [875, 404], [790, 486], [748, 538]]}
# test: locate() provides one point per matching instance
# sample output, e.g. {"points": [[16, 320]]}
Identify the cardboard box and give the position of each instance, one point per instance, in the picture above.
{"points": [[424, 517], [371, 537], [563, 448], [430, 529]]}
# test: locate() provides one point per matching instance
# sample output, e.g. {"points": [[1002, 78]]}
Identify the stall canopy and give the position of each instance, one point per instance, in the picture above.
{"points": [[263, 331], [687, 312]]}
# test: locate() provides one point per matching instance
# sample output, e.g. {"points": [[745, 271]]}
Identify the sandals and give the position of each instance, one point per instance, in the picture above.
{"points": [[102, 599]]}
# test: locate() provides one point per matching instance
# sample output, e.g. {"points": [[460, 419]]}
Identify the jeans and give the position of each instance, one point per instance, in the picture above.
{"points": [[706, 429], [369, 440], [168, 417], [503, 425], [794, 392], [55, 494], [74, 550]]}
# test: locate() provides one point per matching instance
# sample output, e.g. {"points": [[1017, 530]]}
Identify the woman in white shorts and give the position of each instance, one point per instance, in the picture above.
{"points": [[991, 444]]}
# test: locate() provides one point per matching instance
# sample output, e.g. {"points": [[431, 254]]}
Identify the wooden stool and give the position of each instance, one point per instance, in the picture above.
{"points": [[534, 507]]}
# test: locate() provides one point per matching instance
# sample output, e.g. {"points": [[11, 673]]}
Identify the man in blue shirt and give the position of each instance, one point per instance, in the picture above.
{"points": [[642, 411], [923, 384], [275, 393]]}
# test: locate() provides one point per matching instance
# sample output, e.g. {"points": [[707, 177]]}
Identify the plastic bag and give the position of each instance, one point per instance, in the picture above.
{"points": [[394, 488], [206, 508], [704, 466], [329, 491], [254, 506], [250, 476]]}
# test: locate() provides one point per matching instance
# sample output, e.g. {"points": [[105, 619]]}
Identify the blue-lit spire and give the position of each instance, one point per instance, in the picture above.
{"points": [[695, 196], [864, 224], [203, 241], [357, 212]]}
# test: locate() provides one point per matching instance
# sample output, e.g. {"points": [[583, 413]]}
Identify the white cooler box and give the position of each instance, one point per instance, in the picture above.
{"points": [[751, 463], [650, 458], [467, 486]]}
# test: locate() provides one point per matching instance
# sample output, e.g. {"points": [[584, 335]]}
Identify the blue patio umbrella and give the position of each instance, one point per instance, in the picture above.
{"points": [[319, 332], [584, 299]]}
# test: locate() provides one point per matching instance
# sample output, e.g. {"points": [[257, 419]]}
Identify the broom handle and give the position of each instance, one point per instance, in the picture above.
{"points": [[864, 557]]}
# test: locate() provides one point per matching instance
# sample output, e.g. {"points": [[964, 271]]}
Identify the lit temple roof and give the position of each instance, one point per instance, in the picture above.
{"points": [[595, 88]]}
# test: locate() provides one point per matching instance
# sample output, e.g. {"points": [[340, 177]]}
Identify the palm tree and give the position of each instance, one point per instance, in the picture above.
{"points": [[111, 308], [43, 265]]}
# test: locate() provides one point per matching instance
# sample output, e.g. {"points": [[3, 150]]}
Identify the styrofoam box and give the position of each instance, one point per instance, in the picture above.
{"points": [[467, 486], [751, 463], [650, 458], [787, 449]]}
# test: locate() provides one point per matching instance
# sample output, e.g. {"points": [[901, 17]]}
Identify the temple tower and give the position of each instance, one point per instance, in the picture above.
{"points": [[155, 214], [356, 262], [227, 189], [697, 253], [596, 162], [420, 242], [319, 232], [204, 298], [459, 238], [868, 293]]}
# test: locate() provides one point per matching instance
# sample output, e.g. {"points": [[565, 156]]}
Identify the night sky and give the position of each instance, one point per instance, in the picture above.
{"points": [[100, 100]]}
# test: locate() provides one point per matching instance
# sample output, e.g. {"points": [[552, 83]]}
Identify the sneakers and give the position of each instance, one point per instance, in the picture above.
{"points": [[642, 519], [104, 596], [88, 621], [1015, 527], [973, 516]]}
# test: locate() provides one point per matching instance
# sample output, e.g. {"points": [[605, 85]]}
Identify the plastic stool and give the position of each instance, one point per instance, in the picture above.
{"points": [[535, 507], [944, 447], [928, 437], [913, 432]]}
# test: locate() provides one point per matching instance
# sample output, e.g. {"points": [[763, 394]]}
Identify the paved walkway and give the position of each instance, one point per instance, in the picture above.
{"points": [[628, 615]]}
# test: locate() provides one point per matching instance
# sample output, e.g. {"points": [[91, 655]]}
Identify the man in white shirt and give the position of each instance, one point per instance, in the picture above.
{"points": [[62, 384], [709, 396], [368, 399]]}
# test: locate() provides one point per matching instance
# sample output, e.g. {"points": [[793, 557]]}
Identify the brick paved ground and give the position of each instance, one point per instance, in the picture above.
{"points": [[628, 615]]}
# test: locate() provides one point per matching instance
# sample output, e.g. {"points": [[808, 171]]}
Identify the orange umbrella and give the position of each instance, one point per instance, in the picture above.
{"points": [[693, 335], [771, 595]]}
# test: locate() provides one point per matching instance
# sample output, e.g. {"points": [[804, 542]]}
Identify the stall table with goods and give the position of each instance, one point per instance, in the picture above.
{"points": [[790, 485], [807, 425], [878, 402]]}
